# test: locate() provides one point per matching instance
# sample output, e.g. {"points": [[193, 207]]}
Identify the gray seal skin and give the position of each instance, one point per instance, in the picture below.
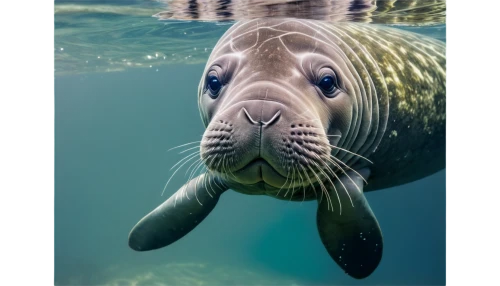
{"points": [[305, 110]]}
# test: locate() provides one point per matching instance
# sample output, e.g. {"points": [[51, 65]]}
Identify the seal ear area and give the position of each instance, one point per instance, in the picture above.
{"points": [[178, 215], [353, 239]]}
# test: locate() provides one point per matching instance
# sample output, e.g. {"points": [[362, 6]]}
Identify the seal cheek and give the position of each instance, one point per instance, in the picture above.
{"points": [[340, 113]]}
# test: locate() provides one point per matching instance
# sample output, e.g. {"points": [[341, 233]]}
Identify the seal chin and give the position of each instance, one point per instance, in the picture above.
{"points": [[258, 170]]}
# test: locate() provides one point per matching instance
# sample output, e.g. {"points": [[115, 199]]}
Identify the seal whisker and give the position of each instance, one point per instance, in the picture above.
{"points": [[201, 170], [204, 183], [211, 162], [309, 179], [333, 185], [189, 149], [303, 186], [283, 183], [298, 181], [197, 167], [323, 189], [196, 189], [335, 175], [200, 163], [179, 146], [293, 189], [209, 173], [347, 166], [214, 181], [230, 171], [219, 160], [293, 182], [338, 179], [224, 163], [173, 175], [192, 154], [302, 183], [190, 166], [355, 154]]}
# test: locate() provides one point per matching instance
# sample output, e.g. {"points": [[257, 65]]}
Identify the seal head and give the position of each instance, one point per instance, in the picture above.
{"points": [[275, 103]]}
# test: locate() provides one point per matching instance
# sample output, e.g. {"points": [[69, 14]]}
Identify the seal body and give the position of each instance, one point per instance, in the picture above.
{"points": [[302, 110]]}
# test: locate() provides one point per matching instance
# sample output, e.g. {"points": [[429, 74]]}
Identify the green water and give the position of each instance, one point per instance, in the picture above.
{"points": [[112, 133]]}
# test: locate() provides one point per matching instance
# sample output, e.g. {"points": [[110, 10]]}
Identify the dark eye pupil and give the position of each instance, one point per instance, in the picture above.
{"points": [[214, 84], [327, 83]]}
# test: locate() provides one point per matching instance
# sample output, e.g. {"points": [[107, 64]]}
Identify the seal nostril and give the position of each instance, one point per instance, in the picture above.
{"points": [[293, 133], [249, 117], [273, 119], [300, 125]]}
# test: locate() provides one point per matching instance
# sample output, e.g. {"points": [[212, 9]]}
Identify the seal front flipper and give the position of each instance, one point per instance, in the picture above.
{"points": [[178, 215], [350, 232]]}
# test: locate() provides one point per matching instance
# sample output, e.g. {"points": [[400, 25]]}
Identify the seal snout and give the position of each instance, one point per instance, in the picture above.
{"points": [[265, 140]]}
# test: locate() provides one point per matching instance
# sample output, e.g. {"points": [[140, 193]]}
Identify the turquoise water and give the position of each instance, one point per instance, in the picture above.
{"points": [[114, 124]]}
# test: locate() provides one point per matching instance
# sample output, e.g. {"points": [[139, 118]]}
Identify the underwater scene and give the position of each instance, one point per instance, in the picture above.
{"points": [[250, 142]]}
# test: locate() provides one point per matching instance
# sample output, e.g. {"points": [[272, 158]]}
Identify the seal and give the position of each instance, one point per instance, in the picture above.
{"points": [[305, 110]]}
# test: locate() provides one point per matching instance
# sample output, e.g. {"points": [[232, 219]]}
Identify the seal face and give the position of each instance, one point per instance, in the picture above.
{"points": [[301, 110], [284, 98]]}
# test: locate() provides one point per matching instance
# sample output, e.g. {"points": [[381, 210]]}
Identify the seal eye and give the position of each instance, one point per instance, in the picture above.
{"points": [[214, 85], [327, 84]]}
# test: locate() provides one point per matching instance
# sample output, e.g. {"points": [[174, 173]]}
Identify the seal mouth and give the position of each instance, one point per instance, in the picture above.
{"points": [[260, 170], [259, 163]]}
